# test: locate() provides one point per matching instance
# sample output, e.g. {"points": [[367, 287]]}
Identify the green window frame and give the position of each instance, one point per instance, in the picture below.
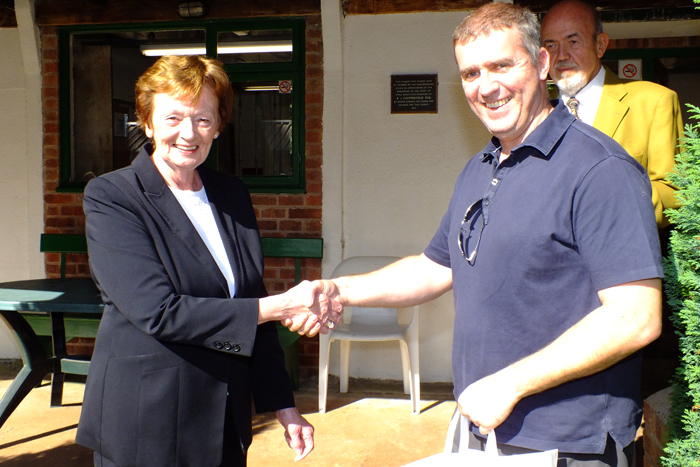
{"points": [[293, 70]]}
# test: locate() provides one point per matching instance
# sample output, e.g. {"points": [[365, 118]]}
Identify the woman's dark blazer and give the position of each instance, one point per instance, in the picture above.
{"points": [[172, 342]]}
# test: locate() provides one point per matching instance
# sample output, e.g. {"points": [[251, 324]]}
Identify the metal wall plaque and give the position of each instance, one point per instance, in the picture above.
{"points": [[412, 94]]}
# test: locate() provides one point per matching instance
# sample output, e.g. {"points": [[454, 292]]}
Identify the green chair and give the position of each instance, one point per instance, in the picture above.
{"points": [[62, 327]]}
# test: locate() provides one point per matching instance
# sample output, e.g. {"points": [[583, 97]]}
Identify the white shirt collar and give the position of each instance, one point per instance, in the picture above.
{"points": [[589, 97]]}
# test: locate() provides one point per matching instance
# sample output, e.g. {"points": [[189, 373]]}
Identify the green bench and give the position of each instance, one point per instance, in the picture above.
{"points": [[297, 248], [62, 327]]}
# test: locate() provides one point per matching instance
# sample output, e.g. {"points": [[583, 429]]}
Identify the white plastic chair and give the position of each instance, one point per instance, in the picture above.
{"points": [[370, 324]]}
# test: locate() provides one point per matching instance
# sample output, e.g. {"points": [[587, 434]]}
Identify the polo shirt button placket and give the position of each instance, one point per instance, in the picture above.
{"points": [[491, 192], [485, 211]]}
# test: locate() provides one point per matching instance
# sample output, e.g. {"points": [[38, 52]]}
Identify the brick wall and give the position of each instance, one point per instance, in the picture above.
{"points": [[657, 409], [63, 212], [279, 215]]}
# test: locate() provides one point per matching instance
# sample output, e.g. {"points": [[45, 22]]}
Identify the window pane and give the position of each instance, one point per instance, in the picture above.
{"points": [[258, 138], [257, 46], [98, 127], [104, 70]]}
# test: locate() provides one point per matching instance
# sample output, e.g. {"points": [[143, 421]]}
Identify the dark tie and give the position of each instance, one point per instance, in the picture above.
{"points": [[573, 106]]}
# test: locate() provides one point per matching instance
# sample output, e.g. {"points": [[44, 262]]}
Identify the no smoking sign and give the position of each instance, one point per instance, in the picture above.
{"points": [[285, 86], [630, 69]]}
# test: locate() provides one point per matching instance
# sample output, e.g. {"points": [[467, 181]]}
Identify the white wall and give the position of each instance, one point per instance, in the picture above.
{"points": [[21, 183], [13, 172], [388, 178], [13, 167], [396, 171]]}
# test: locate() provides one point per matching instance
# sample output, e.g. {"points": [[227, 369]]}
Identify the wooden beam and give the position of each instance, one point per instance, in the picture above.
{"points": [[654, 43], [69, 12], [541, 6], [65, 12], [376, 7]]}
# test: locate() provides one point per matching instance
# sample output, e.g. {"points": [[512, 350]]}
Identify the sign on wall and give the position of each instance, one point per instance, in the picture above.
{"points": [[630, 68], [414, 94]]}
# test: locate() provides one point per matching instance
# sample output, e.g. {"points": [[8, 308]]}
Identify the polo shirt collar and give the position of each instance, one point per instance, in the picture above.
{"points": [[543, 139], [492, 150]]}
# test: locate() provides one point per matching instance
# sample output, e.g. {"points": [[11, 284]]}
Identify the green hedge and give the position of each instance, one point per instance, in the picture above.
{"points": [[682, 285]]}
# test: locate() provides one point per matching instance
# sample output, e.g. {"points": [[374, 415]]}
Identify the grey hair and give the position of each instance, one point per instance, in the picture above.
{"points": [[493, 16]]}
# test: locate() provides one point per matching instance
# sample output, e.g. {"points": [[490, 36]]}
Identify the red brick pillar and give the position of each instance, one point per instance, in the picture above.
{"points": [[657, 409]]}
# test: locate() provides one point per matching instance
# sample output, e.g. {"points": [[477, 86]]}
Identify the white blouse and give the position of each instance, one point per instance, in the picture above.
{"points": [[196, 206]]}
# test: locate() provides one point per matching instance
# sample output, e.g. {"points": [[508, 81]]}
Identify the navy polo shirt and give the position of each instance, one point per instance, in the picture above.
{"points": [[567, 214]]}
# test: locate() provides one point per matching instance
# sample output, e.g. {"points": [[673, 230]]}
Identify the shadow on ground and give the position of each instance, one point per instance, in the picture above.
{"points": [[72, 455]]}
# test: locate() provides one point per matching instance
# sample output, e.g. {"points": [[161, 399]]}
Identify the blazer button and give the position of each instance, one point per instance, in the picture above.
{"points": [[227, 345], [218, 345], [236, 348]]}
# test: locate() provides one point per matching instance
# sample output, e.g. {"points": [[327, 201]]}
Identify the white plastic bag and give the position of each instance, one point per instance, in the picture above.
{"points": [[458, 454]]}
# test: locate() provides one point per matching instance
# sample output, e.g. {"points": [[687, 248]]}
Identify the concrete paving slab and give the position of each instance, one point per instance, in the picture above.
{"points": [[370, 426]]}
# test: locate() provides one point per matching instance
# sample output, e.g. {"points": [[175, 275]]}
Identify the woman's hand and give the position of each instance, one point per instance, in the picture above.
{"points": [[303, 309], [298, 432]]}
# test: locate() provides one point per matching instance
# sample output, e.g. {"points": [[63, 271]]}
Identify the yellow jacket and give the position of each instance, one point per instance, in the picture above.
{"points": [[645, 118]]}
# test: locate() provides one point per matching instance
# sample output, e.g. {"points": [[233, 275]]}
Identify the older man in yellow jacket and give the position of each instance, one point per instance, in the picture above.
{"points": [[644, 117]]}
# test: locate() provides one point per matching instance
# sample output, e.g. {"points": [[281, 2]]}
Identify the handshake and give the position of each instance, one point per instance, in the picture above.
{"points": [[308, 308]]}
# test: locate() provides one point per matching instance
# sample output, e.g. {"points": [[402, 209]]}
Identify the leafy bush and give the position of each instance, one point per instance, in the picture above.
{"points": [[682, 285]]}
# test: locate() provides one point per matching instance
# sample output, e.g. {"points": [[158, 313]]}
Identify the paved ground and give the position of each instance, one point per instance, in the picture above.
{"points": [[370, 426]]}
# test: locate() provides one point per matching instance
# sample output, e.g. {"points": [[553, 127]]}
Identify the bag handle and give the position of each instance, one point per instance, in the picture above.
{"points": [[491, 444], [457, 439]]}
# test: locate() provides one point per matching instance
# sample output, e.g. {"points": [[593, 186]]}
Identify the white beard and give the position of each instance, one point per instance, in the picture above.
{"points": [[571, 85]]}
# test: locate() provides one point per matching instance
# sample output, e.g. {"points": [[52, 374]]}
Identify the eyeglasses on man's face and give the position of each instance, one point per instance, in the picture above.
{"points": [[468, 238]]}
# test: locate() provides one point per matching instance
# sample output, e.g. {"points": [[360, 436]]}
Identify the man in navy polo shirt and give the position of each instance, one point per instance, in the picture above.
{"points": [[550, 245]]}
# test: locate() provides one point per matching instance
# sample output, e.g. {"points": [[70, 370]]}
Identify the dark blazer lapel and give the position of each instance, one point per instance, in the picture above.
{"points": [[163, 201], [222, 206], [611, 110]]}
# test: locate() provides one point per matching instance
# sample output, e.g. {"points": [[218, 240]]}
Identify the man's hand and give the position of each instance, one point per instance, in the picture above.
{"points": [[311, 323], [628, 319], [489, 401], [409, 281], [298, 432], [330, 289], [302, 309]]}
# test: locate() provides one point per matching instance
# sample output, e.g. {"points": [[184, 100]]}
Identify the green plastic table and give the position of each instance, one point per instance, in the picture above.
{"points": [[52, 297]]}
